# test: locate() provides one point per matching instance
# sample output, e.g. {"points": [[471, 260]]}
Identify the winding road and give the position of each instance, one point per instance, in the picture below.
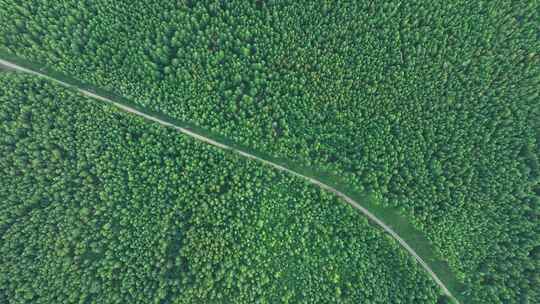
{"points": [[210, 141]]}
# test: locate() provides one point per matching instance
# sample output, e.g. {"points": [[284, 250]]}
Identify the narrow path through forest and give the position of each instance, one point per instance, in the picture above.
{"points": [[210, 141]]}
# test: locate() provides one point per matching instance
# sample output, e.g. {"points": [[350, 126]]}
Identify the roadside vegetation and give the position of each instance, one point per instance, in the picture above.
{"points": [[432, 107], [100, 206]]}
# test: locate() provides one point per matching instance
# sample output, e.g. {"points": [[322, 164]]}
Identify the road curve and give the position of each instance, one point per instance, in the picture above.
{"points": [[210, 141]]}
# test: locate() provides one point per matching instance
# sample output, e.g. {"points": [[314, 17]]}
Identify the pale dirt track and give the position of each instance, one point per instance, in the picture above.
{"points": [[210, 141]]}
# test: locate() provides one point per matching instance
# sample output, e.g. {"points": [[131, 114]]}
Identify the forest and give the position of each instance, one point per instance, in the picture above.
{"points": [[100, 206], [432, 107]]}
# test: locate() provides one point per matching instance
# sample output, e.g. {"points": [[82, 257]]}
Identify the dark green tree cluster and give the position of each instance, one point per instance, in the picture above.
{"points": [[431, 105], [99, 206]]}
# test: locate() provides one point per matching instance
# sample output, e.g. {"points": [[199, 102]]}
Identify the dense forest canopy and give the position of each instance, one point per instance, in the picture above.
{"points": [[100, 206], [432, 106]]}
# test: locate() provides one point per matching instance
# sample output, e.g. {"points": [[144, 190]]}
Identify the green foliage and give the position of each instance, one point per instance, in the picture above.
{"points": [[433, 106], [99, 206]]}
